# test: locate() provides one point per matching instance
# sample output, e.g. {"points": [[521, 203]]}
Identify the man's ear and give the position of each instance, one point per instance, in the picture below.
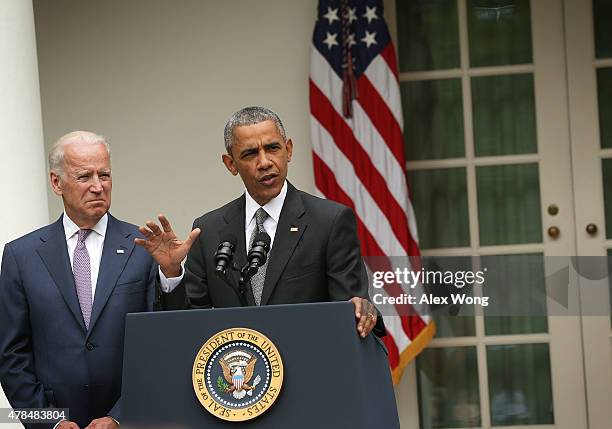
{"points": [[56, 183], [229, 163], [289, 144]]}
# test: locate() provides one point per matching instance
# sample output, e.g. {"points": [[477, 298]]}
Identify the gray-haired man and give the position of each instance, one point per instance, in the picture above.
{"points": [[315, 253], [65, 290]]}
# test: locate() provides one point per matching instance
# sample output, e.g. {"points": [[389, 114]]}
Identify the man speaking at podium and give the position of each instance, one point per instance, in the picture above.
{"points": [[314, 251]]}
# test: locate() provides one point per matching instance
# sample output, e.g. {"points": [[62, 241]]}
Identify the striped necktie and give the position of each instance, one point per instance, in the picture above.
{"points": [[81, 269]]}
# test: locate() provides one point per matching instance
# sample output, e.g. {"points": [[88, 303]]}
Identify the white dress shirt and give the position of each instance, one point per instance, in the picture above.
{"points": [[272, 207], [94, 244]]}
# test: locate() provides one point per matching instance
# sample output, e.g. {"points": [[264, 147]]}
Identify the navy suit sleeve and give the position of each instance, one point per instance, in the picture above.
{"points": [[17, 371]]}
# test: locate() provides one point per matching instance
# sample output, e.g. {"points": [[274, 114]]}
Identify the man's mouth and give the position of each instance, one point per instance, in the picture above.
{"points": [[268, 179]]}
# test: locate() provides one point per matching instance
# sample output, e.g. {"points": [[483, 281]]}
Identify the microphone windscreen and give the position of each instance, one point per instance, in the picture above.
{"points": [[262, 236]]}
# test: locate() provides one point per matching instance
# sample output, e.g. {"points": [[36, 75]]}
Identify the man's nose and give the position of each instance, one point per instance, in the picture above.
{"points": [[96, 185], [263, 160]]}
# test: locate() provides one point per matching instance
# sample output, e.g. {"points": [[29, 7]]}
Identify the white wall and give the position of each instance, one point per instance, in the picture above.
{"points": [[159, 78]]}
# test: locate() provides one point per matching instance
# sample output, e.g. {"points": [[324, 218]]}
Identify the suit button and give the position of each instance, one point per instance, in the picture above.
{"points": [[89, 346], [86, 387]]}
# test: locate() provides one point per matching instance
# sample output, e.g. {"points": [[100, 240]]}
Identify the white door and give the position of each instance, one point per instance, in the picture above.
{"points": [[589, 67]]}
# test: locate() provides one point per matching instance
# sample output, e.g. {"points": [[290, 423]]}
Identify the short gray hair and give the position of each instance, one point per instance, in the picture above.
{"points": [[56, 154], [249, 116]]}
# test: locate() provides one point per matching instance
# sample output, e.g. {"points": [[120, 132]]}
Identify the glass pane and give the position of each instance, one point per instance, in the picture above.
{"points": [[436, 193], [433, 118], [448, 388], [519, 385], [451, 320], [606, 166], [602, 15], [428, 33], [456, 325], [604, 99], [504, 115], [516, 287], [499, 32], [509, 204]]}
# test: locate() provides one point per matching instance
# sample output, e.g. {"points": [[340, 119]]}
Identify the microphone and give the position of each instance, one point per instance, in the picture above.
{"points": [[259, 252], [224, 254]]}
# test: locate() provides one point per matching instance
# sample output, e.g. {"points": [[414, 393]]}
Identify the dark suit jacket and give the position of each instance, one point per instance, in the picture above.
{"points": [[320, 261], [47, 357]]}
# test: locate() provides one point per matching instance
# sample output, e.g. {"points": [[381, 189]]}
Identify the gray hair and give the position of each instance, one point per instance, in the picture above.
{"points": [[249, 116], [56, 154]]}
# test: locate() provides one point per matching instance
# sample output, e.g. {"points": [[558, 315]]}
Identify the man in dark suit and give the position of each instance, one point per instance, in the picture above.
{"points": [[65, 290], [315, 254]]}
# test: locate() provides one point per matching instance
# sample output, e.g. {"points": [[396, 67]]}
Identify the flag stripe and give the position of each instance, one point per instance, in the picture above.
{"points": [[393, 349], [384, 80], [388, 54], [381, 117]]}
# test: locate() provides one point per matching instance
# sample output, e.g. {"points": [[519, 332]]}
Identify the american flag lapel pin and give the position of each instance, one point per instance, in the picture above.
{"points": [[293, 229], [120, 251]]}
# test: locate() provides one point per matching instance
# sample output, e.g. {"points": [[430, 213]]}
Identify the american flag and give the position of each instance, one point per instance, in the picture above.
{"points": [[358, 148]]}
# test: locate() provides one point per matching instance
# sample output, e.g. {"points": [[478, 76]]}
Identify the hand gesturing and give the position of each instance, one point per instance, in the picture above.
{"points": [[164, 247]]}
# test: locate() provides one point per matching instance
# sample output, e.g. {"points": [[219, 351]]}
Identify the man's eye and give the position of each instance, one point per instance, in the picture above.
{"points": [[83, 177], [105, 175]]}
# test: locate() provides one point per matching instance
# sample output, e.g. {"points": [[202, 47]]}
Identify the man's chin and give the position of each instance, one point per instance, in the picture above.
{"points": [[98, 212], [266, 193]]}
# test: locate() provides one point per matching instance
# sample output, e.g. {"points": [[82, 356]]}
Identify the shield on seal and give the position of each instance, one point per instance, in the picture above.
{"points": [[238, 380]]}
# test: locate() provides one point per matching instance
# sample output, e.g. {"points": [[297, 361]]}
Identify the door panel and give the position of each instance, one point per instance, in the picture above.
{"points": [[589, 81]]}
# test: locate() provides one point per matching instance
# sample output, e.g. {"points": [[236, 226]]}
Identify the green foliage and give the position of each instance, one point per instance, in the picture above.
{"points": [[221, 384]]}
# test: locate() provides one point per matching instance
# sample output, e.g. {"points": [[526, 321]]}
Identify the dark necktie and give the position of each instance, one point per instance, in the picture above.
{"points": [[81, 269], [257, 281]]}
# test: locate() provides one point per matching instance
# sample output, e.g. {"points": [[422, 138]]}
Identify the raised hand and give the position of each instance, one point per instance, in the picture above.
{"points": [[164, 247]]}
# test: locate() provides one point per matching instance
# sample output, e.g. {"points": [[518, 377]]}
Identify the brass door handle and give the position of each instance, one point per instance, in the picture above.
{"points": [[553, 232], [591, 229]]}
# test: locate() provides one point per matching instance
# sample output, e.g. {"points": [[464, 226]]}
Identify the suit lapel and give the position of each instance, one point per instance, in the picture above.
{"points": [[111, 265], [54, 253], [289, 230], [234, 219]]}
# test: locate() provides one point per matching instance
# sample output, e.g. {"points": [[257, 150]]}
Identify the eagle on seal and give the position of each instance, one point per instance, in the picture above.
{"points": [[238, 377]]}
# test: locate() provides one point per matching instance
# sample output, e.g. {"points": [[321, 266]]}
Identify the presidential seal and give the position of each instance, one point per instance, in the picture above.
{"points": [[237, 374]]}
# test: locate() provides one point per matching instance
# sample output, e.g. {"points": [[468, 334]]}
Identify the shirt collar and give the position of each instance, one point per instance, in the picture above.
{"points": [[273, 207], [71, 228]]}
